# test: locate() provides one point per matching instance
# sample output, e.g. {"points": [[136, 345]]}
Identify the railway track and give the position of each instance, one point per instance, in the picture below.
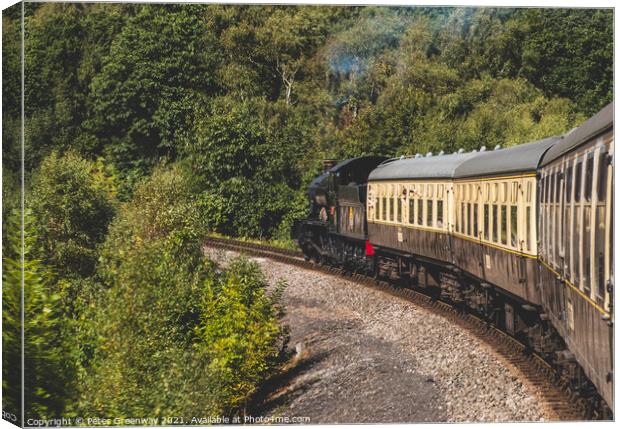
{"points": [[529, 367]]}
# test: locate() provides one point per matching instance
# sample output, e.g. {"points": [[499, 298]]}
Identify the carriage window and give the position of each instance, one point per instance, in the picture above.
{"points": [[528, 196], [486, 221], [543, 189], [589, 177], [495, 217], [439, 213], [429, 212], [439, 191], [487, 192], [399, 210], [575, 262], [391, 210], [602, 177], [411, 209], [504, 226], [430, 192], [476, 220], [462, 223], [514, 241], [384, 208], [578, 181], [420, 212], [558, 190], [569, 184], [586, 250], [528, 228], [468, 220], [513, 194], [599, 251], [495, 192]]}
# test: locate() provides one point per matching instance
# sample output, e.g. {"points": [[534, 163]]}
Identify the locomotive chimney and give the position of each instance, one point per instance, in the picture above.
{"points": [[329, 163]]}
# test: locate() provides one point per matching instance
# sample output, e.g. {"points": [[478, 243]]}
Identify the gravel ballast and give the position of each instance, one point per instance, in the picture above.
{"points": [[369, 357]]}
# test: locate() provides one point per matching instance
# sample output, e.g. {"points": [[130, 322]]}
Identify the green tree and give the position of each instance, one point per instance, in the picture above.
{"points": [[246, 171], [144, 96], [73, 203], [163, 308]]}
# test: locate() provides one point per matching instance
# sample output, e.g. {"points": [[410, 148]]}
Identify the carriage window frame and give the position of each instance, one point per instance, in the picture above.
{"points": [[475, 221], [578, 179], [495, 223], [568, 184], [430, 207], [487, 218], [399, 210], [503, 234], [528, 228], [439, 213], [603, 166], [384, 209], [412, 211], [589, 177], [420, 212], [514, 219]]}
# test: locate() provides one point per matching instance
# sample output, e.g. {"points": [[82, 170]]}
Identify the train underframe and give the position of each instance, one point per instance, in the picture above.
{"points": [[526, 322]]}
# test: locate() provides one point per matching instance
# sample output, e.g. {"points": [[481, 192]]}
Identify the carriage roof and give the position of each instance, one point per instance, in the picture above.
{"points": [[431, 167], [515, 159], [593, 127]]}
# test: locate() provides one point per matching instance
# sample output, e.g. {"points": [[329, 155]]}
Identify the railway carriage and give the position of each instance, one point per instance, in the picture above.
{"points": [[576, 246], [413, 214], [495, 210], [521, 236]]}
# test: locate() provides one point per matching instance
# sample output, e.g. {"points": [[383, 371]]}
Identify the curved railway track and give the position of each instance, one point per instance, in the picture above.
{"points": [[531, 368]]}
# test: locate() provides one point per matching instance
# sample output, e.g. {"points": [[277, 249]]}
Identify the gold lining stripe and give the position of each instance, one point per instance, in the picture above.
{"points": [[455, 234], [410, 226], [484, 179], [495, 246], [576, 289]]}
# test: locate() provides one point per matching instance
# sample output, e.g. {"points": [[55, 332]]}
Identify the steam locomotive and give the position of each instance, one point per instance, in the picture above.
{"points": [[522, 236]]}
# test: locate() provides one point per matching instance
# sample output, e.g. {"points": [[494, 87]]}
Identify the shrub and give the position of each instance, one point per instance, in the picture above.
{"points": [[175, 334], [49, 359], [72, 201]]}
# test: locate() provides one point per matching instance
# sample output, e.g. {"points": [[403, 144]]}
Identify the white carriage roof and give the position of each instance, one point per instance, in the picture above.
{"points": [[432, 167], [515, 159]]}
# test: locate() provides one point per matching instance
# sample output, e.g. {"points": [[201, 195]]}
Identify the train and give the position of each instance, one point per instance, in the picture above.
{"points": [[521, 236]]}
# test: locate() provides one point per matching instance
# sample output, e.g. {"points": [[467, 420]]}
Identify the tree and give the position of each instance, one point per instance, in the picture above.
{"points": [[174, 307], [144, 96], [245, 170], [73, 203]]}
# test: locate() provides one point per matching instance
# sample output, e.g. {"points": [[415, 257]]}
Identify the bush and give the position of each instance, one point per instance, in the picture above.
{"points": [[175, 334], [49, 359], [72, 201]]}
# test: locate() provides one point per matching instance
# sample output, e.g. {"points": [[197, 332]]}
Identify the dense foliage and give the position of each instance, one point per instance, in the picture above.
{"points": [[149, 126], [48, 358], [173, 334]]}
